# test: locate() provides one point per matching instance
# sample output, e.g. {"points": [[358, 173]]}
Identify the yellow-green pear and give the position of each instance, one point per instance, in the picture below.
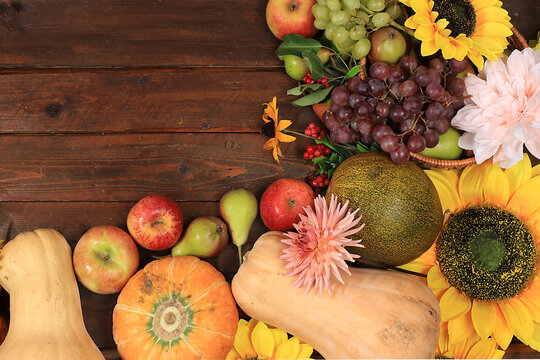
{"points": [[205, 237], [238, 208]]}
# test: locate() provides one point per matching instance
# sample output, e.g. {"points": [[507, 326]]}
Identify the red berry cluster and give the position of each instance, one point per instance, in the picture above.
{"points": [[316, 151], [314, 131], [318, 182], [309, 80]]}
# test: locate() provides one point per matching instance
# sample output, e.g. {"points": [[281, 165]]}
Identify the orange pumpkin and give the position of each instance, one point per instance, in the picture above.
{"points": [[175, 308]]}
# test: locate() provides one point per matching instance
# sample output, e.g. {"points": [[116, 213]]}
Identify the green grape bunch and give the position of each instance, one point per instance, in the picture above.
{"points": [[347, 23]]}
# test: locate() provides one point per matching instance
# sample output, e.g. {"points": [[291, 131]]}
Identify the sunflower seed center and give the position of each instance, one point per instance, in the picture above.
{"points": [[459, 13], [486, 253]]}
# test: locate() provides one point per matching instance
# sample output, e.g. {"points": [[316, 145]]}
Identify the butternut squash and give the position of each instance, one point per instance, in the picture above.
{"points": [[46, 321], [376, 314]]}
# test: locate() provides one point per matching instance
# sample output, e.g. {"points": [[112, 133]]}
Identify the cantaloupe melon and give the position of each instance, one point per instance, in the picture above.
{"points": [[398, 203]]}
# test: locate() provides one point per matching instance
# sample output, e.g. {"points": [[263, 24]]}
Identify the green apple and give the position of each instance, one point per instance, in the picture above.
{"points": [[447, 148], [295, 66], [388, 45]]}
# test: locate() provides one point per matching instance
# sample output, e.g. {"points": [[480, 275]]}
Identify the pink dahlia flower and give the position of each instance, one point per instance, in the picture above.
{"points": [[503, 112], [317, 248]]}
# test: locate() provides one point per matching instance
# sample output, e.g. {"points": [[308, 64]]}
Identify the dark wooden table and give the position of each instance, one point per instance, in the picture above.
{"points": [[105, 102]]}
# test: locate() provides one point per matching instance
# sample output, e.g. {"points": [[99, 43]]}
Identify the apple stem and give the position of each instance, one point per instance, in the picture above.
{"points": [[402, 28]]}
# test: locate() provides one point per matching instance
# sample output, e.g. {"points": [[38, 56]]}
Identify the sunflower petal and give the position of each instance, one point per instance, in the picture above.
{"points": [[493, 29], [519, 173], [535, 171], [449, 52], [411, 22], [482, 4], [496, 187], [492, 14], [436, 280], [476, 58], [428, 48], [484, 349], [453, 304], [441, 42], [280, 336], [484, 318], [233, 355], [242, 342], [269, 144], [527, 199], [471, 184], [446, 182], [502, 332], [519, 319], [305, 352], [423, 263], [425, 33], [535, 340], [288, 350], [460, 328], [263, 341]]}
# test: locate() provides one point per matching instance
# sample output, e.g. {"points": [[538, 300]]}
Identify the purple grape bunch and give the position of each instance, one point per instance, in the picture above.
{"points": [[404, 107]]}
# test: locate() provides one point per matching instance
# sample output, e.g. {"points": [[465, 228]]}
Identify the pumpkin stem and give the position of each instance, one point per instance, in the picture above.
{"points": [[240, 258]]}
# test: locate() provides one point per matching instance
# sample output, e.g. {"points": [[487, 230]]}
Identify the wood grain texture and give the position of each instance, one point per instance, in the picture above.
{"points": [[151, 101], [133, 33], [185, 167]]}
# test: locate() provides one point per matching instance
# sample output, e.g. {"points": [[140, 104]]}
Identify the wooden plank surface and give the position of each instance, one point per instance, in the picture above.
{"points": [[149, 101], [184, 166]]}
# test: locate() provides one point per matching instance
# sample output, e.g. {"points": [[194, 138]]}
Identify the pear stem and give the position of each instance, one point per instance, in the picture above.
{"points": [[240, 260]]}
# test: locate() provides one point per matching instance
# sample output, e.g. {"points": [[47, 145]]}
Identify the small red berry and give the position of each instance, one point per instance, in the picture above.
{"points": [[308, 81], [318, 129], [326, 85], [320, 146], [319, 137], [324, 80], [327, 151], [313, 131], [314, 183], [306, 156], [310, 149], [308, 74], [326, 182], [317, 153], [311, 156], [312, 125], [320, 178], [322, 132], [307, 132]]}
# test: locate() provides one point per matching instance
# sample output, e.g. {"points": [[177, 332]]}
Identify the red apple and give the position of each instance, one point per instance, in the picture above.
{"points": [[105, 258], [290, 17], [155, 222], [283, 201]]}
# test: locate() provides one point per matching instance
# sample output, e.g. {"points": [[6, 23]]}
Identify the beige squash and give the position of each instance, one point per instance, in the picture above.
{"points": [[376, 314], [46, 321]]}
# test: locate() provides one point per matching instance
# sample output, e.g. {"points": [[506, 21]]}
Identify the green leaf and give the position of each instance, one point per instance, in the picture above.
{"points": [[315, 65], [299, 90], [313, 98], [354, 71], [294, 44]]}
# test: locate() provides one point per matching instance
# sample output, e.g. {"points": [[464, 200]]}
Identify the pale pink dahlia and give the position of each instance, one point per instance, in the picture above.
{"points": [[503, 112], [317, 249]]}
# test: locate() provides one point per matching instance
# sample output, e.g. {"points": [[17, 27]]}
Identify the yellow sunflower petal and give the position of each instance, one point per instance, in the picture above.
{"points": [[496, 187], [242, 342], [441, 25], [305, 352], [441, 42], [446, 182], [425, 33], [471, 184], [276, 153], [233, 355], [428, 48], [406, 2], [443, 344], [519, 319], [484, 349], [280, 336], [423, 263], [284, 137], [420, 5], [535, 171], [288, 350], [482, 4], [460, 328], [476, 58], [502, 333], [411, 22], [251, 324], [263, 341], [535, 340], [527, 199], [484, 318], [519, 173], [449, 52], [492, 14], [461, 50], [283, 124], [492, 28], [453, 303], [269, 144], [436, 280]]}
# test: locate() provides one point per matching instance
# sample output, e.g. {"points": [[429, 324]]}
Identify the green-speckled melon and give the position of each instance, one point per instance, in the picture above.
{"points": [[399, 205]]}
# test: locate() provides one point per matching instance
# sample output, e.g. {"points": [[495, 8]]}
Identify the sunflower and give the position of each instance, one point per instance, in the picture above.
{"points": [[484, 267], [460, 28], [471, 348], [256, 340], [273, 129]]}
